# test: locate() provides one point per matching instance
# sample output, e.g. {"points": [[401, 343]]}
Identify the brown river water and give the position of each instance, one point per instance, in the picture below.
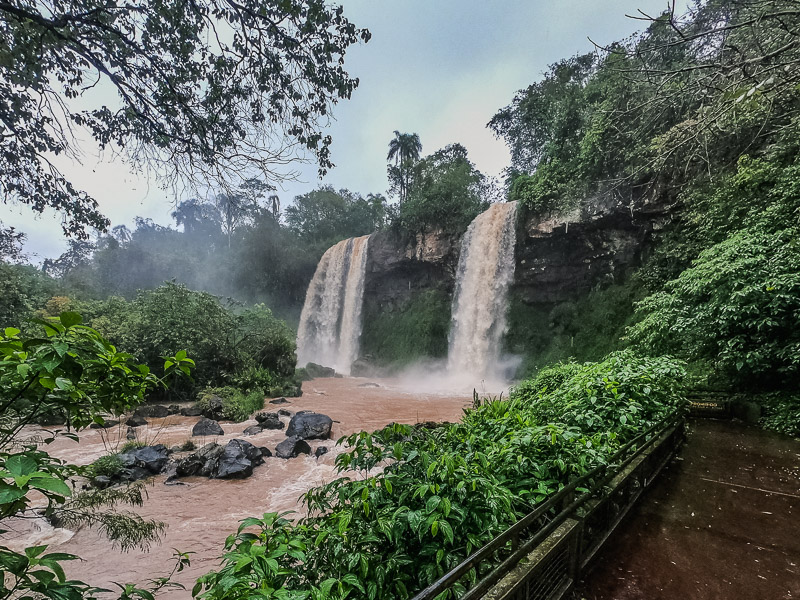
{"points": [[202, 512]]}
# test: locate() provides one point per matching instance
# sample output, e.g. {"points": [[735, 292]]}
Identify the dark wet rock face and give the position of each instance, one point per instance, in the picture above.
{"points": [[191, 411], [292, 447], [237, 460], [156, 411], [316, 371], [207, 427], [253, 430], [269, 420], [310, 426], [136, 421], [213, 408], [265, 452], [139, 463], [203, 462]]}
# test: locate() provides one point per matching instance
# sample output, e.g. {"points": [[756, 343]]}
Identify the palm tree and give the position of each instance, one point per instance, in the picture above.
{"points": [[274, 202], [404, 149]]}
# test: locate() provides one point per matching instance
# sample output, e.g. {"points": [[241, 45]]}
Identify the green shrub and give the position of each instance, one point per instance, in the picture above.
{"points": [[736, 309], [546, 380], [236, 405], [446, 491], [781, 412], [108, 466]]}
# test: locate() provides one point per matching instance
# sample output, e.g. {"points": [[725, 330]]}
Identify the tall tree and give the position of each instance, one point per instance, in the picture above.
{"points": [[209, 91], [404, 149]]}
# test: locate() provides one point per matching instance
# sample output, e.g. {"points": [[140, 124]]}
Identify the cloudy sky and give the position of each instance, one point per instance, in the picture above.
{"points": [[439, 68]]}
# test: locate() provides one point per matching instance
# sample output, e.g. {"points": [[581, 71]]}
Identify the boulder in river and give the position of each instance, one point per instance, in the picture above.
{"points": [[292, 447], [320, 451], [173, 409], [310, 426], [191, 411], [136, 421], [280, 400], [265, 452], [202, 462], [316, 371], [237, 460], [207, 427], [213, 408], [269, 420], [253, 430], [156, 411], [106, 424], [143, 462], [285, 413]]}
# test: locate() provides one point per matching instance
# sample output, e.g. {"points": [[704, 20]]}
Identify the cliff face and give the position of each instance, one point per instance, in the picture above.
{"points": [[557, 259], [399, 266], [561, 259]]}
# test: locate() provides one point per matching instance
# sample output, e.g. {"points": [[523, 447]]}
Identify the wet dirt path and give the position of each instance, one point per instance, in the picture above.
{"points": [[202, 512], [722, 522]]}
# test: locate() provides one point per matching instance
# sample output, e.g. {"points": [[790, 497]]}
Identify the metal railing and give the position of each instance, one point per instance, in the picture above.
{"points": [[564, 533]]}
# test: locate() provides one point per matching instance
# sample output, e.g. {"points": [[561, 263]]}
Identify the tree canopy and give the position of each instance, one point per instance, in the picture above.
{"points": [[206, 91]]}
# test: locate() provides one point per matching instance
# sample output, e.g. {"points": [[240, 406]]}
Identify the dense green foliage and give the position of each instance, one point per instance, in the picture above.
{"points": [[446, 491], [246, 347], [418, 329], [72, 370], [447, 193], [698, 115], [236, 405]]}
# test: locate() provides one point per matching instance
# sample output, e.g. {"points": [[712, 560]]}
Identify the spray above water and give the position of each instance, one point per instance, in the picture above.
{"points": [[480, 301], [330, 324]]}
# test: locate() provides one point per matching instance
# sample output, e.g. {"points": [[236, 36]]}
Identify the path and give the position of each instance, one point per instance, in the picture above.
{"points": [[722, 522]]}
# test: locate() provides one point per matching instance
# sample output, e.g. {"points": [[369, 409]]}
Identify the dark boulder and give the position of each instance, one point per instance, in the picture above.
{"points": [[316, 371], [237, 460], [279, 401], [152, 459], [213, 408], [310, 426], [285, 413], [269, 420], [320, 451], [207, 427], [202, 462], [292, 447], [101, 482], [136, 421], [156, 411], [265, 452], [131, 435], [253, 430], [106, 424], [191, 411], [173, 409]]}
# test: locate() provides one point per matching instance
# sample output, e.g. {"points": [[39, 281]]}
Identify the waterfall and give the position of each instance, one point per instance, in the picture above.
{"points": [[485, 271], [330, 324]]}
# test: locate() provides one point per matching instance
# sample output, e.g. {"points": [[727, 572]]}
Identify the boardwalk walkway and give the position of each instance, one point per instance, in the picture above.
{"points": [[722, 522]]}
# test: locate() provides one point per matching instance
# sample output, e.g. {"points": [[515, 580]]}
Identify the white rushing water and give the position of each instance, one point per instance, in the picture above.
{"points": [[330, 324], [485, 271]]}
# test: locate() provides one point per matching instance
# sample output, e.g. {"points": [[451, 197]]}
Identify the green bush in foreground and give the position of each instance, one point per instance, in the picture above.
{"points": [[445, 491]]}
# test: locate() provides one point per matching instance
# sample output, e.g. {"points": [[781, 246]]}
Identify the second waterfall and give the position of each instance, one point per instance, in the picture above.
{"points": [[330, 324], [485, 272]]}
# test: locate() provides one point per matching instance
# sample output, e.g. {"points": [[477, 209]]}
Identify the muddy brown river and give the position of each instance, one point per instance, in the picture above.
{"points": [[202, 512]]}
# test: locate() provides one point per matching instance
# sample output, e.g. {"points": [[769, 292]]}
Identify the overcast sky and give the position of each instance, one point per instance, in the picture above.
{"points": [[439, 68]]}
